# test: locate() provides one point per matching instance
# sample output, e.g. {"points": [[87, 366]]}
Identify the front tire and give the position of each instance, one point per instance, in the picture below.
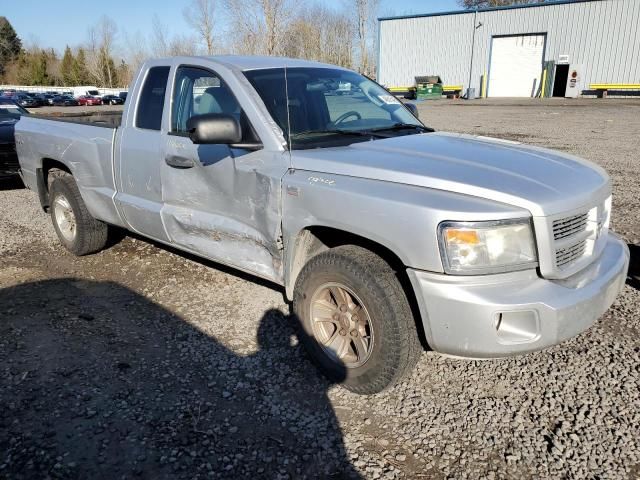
{"points": [[355, 319], [77, 230]]}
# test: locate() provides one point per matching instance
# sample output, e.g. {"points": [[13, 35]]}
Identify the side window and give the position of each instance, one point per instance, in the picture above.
{"points": [[197, 92], [151, 101]]}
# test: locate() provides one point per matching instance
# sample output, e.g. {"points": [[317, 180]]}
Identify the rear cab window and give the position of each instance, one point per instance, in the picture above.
{"points": [[151, 102]]}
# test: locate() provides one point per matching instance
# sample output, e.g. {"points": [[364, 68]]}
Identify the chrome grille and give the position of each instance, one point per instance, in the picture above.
{"points": [[568, 242], [565, 227], [567, 255]]}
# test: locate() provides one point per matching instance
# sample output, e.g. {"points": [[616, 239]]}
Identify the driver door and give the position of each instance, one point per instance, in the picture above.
{"points": [[219, 202]]}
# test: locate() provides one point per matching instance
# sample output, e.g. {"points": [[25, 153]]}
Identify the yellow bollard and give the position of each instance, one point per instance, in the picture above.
{"points": [[544, 82], [484, 85]]}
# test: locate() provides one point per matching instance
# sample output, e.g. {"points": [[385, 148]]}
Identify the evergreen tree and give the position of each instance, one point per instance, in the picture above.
{"points": [[23, 70], [80, 73], [66, 68], [38, 67], [10, 44]]}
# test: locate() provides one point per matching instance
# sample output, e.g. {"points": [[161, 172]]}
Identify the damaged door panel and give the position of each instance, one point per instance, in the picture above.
{"points": [[227, 206], [219, 201]]}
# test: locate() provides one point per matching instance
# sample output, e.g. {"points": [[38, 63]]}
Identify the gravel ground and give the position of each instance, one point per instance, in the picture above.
{"points": [[141, 362]]}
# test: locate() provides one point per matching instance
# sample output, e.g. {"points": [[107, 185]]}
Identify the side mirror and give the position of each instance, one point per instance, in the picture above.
{"points": [[413, 109], [214, 128]]}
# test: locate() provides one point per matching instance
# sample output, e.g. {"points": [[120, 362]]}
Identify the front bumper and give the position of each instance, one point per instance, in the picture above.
{"points": [[508, 314]]}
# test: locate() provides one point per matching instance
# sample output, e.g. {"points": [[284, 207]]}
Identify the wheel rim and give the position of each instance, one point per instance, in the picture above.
{"points": [[65, 218], [342, 325]]}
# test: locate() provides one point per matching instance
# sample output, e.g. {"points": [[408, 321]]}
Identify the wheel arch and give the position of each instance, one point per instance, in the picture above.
{"points": [[43, 178], [315, 239]]}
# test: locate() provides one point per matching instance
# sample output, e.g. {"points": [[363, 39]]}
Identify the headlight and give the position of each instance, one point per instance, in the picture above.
{"points": [[474, 248]]}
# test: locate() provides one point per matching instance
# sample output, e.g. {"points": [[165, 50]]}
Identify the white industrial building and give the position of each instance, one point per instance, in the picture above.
{"points": [[552, 49]]}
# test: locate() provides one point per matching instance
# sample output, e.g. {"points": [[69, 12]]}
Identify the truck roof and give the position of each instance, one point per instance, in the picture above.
{"points": [[257, 62]]}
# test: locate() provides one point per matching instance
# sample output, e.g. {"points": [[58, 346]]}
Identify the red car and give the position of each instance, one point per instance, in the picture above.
{"points": [[89, 100]]}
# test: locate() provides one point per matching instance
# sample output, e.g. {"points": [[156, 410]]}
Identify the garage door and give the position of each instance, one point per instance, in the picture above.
{"points": [[516, 65]]}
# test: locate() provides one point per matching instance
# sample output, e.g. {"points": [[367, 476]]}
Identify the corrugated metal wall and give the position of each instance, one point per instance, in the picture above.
{"points": [[601, 35]]}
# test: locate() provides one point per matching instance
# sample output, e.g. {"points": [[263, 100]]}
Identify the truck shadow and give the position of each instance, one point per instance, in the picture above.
{"points": [[99, 382], [11, 183], [633, 276]]}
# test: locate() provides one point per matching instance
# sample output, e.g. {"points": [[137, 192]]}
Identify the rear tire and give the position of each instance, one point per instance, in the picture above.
{"points": [[335, 293], [77, 230]]}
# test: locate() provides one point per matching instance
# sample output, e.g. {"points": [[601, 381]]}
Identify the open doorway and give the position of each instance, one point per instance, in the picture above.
{"points": [[560, 80]]}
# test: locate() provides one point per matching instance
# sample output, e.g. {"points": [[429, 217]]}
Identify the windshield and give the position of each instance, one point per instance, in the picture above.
{"points": [[94, 93], [328, 107]]}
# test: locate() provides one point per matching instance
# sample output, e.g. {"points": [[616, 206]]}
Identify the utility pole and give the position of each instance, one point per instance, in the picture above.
{"points": [[473, 44]]}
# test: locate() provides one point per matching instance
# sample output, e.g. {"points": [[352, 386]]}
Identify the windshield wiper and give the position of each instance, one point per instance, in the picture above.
{"points": [[357, 133], [402, 126]]}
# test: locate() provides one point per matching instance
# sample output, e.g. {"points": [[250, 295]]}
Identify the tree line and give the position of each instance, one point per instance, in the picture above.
{"points": [[109, 57], [34, 65]]}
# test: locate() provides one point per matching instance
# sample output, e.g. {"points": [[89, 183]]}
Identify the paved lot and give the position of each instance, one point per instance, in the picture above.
{"points": [[140, 362]]}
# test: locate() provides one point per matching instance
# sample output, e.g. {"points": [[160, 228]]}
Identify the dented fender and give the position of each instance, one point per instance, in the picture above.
{"points": [[402, 218]]}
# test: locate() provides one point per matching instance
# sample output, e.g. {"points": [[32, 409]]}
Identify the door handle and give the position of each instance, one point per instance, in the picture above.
{"points": [[176, 161]]}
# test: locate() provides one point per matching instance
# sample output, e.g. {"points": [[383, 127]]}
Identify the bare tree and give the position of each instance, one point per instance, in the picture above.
{"points": [[136, 52], [199, 14], [259, 26], [159, 37], [322, 34], [183, 45], [365, 25], [165, 45], [100, 58]]}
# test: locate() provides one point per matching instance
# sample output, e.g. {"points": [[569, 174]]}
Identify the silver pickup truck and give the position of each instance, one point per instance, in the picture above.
{"points": [[386, 235]]}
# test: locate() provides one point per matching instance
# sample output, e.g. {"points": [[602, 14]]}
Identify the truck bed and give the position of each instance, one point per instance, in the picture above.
{"points": [[98, 119], [83, 144]]}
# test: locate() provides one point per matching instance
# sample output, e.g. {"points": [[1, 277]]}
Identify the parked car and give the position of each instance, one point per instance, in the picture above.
{"points": [[10, 113], [376, 226], [46, 98], [43, 102], [85, 90], [123, 96], [65, 101], [89, 100], [111, 100], [25, 100]]}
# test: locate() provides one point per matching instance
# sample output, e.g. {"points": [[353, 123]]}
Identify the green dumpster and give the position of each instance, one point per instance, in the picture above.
{"points": [[428, 87]]}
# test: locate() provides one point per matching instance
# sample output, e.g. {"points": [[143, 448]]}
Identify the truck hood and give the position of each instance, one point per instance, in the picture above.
{"points": [[543, 181]]}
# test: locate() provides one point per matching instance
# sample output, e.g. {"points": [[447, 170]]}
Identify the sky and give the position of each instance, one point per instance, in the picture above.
{"points": [[67, 23]]}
